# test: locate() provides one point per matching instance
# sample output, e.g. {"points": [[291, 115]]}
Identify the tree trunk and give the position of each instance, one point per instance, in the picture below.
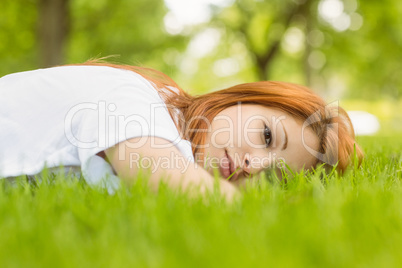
{"points": [[306, 66], [264, 61], [53, 24]]}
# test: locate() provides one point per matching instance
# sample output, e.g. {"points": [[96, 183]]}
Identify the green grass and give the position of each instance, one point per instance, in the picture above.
{"points": [[349, 221]]}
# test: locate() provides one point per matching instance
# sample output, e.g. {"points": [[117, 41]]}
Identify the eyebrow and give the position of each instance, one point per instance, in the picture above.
{"points": [[285, 143]]}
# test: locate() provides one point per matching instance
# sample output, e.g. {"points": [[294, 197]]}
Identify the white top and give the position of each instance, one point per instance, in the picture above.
{"points": [[66, 115]]}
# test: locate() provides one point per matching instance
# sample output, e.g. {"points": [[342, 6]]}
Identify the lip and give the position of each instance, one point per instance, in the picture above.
{"points": [[227, 168]]}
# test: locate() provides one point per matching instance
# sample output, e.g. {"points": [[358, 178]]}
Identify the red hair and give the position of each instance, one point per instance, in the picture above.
{"points": [[331, 124]]}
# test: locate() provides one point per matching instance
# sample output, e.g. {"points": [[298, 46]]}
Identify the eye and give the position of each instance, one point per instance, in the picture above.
{"points": [[267, 135]]}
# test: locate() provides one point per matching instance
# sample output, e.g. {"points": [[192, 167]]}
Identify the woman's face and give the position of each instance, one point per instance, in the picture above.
{"points": [[244, 140]]}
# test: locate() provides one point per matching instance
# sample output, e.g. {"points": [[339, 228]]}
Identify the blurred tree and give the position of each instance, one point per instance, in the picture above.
{"points": [[346, 48], [53, 28], [261, 40], [40, 33], [341, 48], [18, 44], [134, 30], [369, 57], [256, 20]]}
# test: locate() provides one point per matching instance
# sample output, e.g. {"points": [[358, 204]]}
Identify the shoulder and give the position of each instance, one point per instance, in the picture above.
{"points": [[80, 73]]}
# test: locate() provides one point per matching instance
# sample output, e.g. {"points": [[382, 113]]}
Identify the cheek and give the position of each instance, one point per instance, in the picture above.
{"points": [[253, 139], [298, 159], [251, 135]]}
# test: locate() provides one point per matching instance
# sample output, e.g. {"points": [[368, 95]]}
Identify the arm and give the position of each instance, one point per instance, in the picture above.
{"points": [[127, 161]]}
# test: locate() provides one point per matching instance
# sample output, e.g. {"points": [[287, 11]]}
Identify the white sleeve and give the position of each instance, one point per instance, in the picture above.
{"points": [[119, 115]]}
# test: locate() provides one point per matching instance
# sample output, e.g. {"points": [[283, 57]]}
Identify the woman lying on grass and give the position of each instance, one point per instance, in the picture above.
{"points": [[111, 121]]}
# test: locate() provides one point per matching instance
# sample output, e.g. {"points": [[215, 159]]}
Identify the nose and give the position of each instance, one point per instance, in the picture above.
{"points": [[253, 164], [246, 166]]}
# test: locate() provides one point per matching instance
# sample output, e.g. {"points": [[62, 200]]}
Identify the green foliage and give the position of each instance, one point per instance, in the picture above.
{"points": [[18, 45], [370, 59], [131, 29], [359, 62], [314, 220]]}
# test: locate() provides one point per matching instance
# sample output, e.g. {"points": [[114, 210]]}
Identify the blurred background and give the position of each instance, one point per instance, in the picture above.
{"points": [[346, 50]]}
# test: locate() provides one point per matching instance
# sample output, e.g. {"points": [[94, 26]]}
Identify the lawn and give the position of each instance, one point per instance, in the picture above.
{"points": [[353, 220]]}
